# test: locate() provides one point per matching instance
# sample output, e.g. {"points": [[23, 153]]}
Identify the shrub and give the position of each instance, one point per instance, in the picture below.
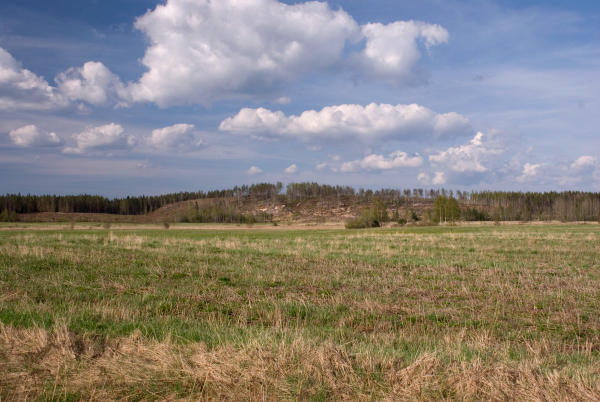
{"points": [[8, 216], [166, 225], [369, 218], [411, 216], [473, 214]]}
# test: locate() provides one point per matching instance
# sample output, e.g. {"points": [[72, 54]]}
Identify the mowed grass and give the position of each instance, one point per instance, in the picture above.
{"points": [[469, 313]]}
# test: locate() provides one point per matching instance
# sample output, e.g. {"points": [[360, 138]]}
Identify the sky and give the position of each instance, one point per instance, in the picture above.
{"points": [[147, 97]]}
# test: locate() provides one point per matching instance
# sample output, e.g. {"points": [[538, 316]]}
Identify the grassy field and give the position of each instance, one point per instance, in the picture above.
{"points": [[468, 313]]}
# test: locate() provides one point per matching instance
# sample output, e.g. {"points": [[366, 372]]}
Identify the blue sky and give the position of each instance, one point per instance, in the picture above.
{"points": [[139, 96]]}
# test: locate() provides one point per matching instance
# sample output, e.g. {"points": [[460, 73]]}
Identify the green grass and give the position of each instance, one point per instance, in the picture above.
{"points": [[509, 296]]}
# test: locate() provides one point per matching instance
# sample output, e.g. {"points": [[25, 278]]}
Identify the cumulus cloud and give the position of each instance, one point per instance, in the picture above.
{"points": [[395, 160], [93, 83], [205, 50], [392, 50], [291, 169], [530, 171], [22, 89], [175, 136], [584, 162], [201, 51], [254, 170], [102, 138], [374, 121], [467, 158], [439, 178], [31, 136]]}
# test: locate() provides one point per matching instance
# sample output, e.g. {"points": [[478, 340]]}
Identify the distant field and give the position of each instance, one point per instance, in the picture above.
{"points": [[469, 313]]}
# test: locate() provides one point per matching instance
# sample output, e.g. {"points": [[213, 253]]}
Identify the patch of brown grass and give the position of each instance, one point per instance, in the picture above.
{"points": [[38, 363]]}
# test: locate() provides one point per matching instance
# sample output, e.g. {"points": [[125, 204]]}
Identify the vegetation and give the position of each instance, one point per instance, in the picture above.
{"points": [[474, 214], [445, 209], [417, 313], [499, 206], [85, 203], [222, 213], [8, 216], [370, 217]]}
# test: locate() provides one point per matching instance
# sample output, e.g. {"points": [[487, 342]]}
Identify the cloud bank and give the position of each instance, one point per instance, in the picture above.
{"points": [[371, 122], [204, 51]]}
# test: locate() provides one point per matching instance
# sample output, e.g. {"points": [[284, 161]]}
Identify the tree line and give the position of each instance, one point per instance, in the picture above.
{"points": [[482, 205]]}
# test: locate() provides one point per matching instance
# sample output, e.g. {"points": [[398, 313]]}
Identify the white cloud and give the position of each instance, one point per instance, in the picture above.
{"points": [[584, 162], [205, 50], [254, 170], [439, 178], [108, 137], [379, 162], [392, 51], [529, 172], [177, 135], [92, 83], [467, 158], [291, 169], [30, 136], [423, 178], [321, 166], [22, 89], [374, 121], [201, 51]]}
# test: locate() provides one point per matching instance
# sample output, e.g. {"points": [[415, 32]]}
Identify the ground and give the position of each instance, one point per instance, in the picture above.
{"points": [[142, 312]]}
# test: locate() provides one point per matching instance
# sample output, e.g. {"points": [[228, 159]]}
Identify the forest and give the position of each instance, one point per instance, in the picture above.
{"points": [[476, 205]]}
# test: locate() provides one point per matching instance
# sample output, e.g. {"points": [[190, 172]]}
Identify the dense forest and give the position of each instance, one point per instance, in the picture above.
{"points": [[483, 205]]}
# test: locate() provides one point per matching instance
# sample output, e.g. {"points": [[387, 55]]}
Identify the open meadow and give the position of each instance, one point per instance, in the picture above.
{"points": [[460, 312]]}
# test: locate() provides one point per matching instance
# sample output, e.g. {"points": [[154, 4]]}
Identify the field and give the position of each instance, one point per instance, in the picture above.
{"points": [[427, 313]]}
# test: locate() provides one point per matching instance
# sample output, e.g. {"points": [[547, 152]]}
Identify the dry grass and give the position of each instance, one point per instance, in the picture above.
{"points": [[492, 313], [62, 365]]}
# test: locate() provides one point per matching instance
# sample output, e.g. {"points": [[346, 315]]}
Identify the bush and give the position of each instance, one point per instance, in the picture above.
{"points": [[414, 217], [166, 225], [473, 214], [402, 221], [369, 218], [8, 216]]}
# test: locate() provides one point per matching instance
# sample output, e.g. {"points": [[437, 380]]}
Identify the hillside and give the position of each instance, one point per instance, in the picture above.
{"points": [[301, 202], [326, 209]]}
